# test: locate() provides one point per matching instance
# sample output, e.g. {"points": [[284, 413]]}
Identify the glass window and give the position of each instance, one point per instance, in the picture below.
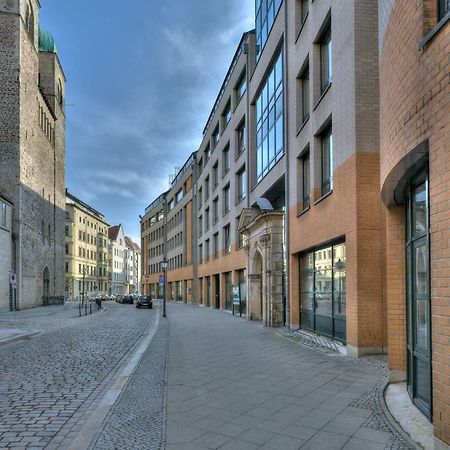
{"points": [[207, 154], [207, 250], [326, 61], [241, 87], [216, 209], [305, 186], [269, 121], [215, 136], [242, 183], [266, 11], [327, 162], [206, 188], [444, 8], [420, 208], [226, 199], [215, 175], [226, 115], [226, 239], [226, 159], [305, 95], [200, 197], [179, 196], [206, 219], [241, 137], [216, 245], [200, 226]]}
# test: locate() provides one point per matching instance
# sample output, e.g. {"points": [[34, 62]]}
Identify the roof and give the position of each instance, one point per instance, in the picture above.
{"points": [[113, 232], [132, 245], [46, 41]]}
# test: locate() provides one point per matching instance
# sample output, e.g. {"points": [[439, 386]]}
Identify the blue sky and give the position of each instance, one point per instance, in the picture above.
{"points": [[141, 83]]}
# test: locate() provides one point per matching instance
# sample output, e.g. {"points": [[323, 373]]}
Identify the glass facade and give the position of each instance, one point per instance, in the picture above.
{"points": [[266, 11], [322, 291], [269, 121]]}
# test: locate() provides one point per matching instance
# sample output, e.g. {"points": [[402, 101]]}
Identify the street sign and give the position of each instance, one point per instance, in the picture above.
{"points": [[13, 279], [161, 279]]}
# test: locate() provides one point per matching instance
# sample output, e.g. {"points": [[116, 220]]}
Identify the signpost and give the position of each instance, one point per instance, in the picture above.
{"points": [[13, 283]]}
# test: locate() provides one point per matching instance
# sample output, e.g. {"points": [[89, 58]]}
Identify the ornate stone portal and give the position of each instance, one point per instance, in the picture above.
{"points": [[263, 230]]}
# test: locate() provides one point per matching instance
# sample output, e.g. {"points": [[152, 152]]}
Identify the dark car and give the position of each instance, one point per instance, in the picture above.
{"points": [[144, 301], [127, 299]]}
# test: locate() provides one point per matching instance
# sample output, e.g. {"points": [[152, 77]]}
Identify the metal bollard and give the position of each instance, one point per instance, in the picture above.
{"points": [[90, 307]]}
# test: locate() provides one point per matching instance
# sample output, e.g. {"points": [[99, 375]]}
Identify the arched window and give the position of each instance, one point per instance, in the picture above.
{"points": [[60, 93], [29, 21]]}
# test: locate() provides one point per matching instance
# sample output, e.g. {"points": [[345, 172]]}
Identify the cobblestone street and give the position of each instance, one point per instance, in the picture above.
{"points": [[50, 384]]}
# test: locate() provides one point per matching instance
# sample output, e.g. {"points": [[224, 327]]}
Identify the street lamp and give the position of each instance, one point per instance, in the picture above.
{"points": [[164, 265]]}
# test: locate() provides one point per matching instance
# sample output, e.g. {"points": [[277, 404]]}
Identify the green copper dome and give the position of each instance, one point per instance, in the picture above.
{"points": [[46, 41]]}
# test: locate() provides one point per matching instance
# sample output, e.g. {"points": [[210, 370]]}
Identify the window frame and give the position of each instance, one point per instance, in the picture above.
{"points": [[326, 184]]}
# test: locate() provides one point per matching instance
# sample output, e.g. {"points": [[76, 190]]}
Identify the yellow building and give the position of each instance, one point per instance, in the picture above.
{"points": [[86, 249]]}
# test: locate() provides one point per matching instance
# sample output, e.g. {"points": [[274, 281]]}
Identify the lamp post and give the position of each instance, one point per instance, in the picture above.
{"points": [[164, 265]]}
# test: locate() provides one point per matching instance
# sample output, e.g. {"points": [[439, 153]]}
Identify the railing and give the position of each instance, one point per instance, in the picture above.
{"points": [[47, 301]]}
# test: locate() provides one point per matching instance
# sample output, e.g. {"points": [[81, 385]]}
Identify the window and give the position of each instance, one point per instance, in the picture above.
{"points": [[215, 175], [216, 136], [206, 219], [226, 160], [200, 197], [60, 97], [226, 199], [226, 239], [206, 188], [241, 138], [303, 101], [207, 250], [226, 115], [241, 87], [200, 226], [326, 61], [170, 205], [200, 253], [301, 13], [216, 245], [207, 154], [29, 21], [241, 184], [266, 12], [216, 210], [327, 161], [304, 171], [269, 121], [179, 196], [444, 8]]}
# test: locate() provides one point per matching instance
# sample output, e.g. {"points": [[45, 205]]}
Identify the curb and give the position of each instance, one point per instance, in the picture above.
{"points": [[91, 428], [391, 418], [18, 337]]}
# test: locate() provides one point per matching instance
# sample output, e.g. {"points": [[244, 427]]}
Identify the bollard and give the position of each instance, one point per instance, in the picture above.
{"points": [[79, 308], [90, 307]]}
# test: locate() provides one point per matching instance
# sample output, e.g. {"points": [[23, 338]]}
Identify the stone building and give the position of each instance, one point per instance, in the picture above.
{"points": [[86, 250], [133, 266], [415, 179], [6, 262], [32, 123]]}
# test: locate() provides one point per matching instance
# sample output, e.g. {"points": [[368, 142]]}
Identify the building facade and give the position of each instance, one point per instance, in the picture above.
{"points": [[414, 179], [117, 261], [324, 162], [6, 262], [86, 250], [133, 267], [32, 169]]}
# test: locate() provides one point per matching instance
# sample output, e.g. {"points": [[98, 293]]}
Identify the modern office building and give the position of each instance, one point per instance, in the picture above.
{"points": [[323, 162], [415, 180], [32, 169], [86, 250]]}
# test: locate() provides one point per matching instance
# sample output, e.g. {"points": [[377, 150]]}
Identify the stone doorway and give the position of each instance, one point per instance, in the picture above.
{"points": [[263, 230]]}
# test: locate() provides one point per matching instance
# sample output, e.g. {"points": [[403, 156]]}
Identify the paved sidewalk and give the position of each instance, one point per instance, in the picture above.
{"points": [[234, 384]]}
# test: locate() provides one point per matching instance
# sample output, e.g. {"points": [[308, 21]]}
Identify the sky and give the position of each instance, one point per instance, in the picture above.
{"points": [[141, 83]]}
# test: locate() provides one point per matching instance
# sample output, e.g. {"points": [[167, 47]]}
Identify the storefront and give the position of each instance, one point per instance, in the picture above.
{"points": [[323, 292]]}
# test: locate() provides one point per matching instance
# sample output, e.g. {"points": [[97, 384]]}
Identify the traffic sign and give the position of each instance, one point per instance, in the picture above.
{"points": [[13, 279], [161, 279]]}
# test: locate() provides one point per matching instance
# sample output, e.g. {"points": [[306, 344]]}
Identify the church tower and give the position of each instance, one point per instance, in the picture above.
{"points": [[32, 141]]}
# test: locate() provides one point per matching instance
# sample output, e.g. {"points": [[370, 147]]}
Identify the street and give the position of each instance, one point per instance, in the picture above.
{"points": [[228, 384]]}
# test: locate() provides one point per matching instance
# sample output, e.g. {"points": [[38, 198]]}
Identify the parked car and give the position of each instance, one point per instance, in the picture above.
{"points": [[144, 301], [127, 299]]}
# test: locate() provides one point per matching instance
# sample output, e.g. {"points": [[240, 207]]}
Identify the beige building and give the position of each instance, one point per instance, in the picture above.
{"points": [[6, 245], [32, 169], [117, 261], [133, 266], [86, 249]]}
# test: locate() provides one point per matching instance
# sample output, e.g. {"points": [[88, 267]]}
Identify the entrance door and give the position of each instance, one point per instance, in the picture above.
{"points": [[217, 291], [418, 294]]}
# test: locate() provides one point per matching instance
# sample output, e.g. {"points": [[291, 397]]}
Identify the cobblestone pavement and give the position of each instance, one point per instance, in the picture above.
{"points": [[49, 384], [137, 420], [234, 384]]}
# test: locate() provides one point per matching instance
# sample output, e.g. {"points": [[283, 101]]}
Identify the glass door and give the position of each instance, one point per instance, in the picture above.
{"points": [[418, 294]]}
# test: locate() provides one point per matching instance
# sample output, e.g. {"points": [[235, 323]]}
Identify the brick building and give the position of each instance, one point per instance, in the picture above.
{"points": [[32, 123], [415, 178], [332, 117]]}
